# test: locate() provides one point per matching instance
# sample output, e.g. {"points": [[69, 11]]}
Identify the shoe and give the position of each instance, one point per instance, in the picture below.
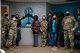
{"points": [[71, 51], [11, 49], [4, 49], [42, 46], [65, 48], [54, 48], [35, 46]]}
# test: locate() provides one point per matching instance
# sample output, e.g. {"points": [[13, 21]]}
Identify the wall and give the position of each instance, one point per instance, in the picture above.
{"points": [[38, 9], [67, 6], [49, 8], [19, 7]]}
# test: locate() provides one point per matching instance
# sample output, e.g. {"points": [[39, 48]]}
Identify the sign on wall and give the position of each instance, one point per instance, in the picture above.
{"points": [[27, 19]]}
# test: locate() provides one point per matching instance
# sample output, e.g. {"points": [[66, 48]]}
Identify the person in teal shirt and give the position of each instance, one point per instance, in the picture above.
{"points": [[54, 32]]}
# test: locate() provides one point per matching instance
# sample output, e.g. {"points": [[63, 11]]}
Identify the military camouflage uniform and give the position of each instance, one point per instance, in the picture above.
{"points": [[68, 23], [4, 31], [43, 29], [11, 41]]}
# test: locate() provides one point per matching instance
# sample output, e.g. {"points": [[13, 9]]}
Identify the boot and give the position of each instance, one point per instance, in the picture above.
{"points": [[65, 48], [71, 50]]}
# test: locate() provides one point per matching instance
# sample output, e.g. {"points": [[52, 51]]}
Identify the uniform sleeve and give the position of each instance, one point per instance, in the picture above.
{"points": [[46, 25], [76, 23], [63, 22]]}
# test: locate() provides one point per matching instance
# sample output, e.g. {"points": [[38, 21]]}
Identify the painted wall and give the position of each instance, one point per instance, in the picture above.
{"points": [[67, 6], [38, 9], [49, 8]]}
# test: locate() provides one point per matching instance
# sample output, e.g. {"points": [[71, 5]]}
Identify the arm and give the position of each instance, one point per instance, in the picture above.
{"points": [[76, 23], [63, 22]]}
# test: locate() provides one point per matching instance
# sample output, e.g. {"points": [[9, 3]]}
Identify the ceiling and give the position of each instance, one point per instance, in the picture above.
{"points": [[49, 1]]}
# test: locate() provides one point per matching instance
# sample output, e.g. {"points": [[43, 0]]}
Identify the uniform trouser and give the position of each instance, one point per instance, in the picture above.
{"points": [[3, 40], [53, 38], [11, 41], [70, 35], [36, 36], [44, 38]]}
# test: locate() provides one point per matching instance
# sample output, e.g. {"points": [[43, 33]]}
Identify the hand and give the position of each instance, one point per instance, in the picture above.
{"points": [[72, 29], [2, 31], [17, 29], [40, 29]]}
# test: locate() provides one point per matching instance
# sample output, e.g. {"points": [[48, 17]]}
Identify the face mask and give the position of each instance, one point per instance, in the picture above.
{"points": [[6, 15], [14, 18], [54, 18], [67, 14]]}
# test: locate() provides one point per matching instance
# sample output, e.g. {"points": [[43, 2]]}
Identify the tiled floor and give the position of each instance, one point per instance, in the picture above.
{"points": [[47, 49]]}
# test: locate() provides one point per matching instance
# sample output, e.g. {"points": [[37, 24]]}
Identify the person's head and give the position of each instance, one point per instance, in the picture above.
{"points": [[13, 17], [44, 18], [67, 13], [6, 14], [54, 17], [49, 14], [17, 16], [35, 17]]}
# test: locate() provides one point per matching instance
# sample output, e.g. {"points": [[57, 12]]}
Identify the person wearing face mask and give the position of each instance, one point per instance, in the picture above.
{"points": [[35, 29], [68, 27], [54, 32], [49, 30], [4, 30], [11, 41], [43, 29], [18, 31]]}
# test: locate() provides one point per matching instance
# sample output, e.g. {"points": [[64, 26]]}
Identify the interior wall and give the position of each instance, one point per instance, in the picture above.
{"points": [[38, 9], [67, 6], [49, 8]]}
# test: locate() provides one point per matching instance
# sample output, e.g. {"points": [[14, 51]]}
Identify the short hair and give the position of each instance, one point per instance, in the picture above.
{"points": [[13, 16]]}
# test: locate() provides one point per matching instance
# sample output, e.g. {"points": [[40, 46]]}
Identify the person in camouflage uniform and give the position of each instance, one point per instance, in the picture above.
{"points": [[67, 23], [43, 28], [11, 41], [4, 30]]}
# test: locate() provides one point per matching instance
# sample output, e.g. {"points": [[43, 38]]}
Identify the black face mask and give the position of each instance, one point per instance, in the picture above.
{"points": [[6, 15], [54, 18], [67, 14], [16, 17]]}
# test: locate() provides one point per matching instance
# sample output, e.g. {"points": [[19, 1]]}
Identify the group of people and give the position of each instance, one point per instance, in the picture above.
{"points": [[47, 28], [10, 31]]}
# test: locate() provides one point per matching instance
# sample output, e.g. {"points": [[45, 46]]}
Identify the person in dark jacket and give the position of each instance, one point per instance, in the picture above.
{"points": [[18, 30], [49, 30]]}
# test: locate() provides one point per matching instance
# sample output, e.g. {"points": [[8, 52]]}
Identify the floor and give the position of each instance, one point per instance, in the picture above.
{"points": [[47, 49]]}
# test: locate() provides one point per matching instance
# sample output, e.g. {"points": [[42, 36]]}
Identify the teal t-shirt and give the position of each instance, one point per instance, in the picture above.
{"points": [[53, 26]]}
